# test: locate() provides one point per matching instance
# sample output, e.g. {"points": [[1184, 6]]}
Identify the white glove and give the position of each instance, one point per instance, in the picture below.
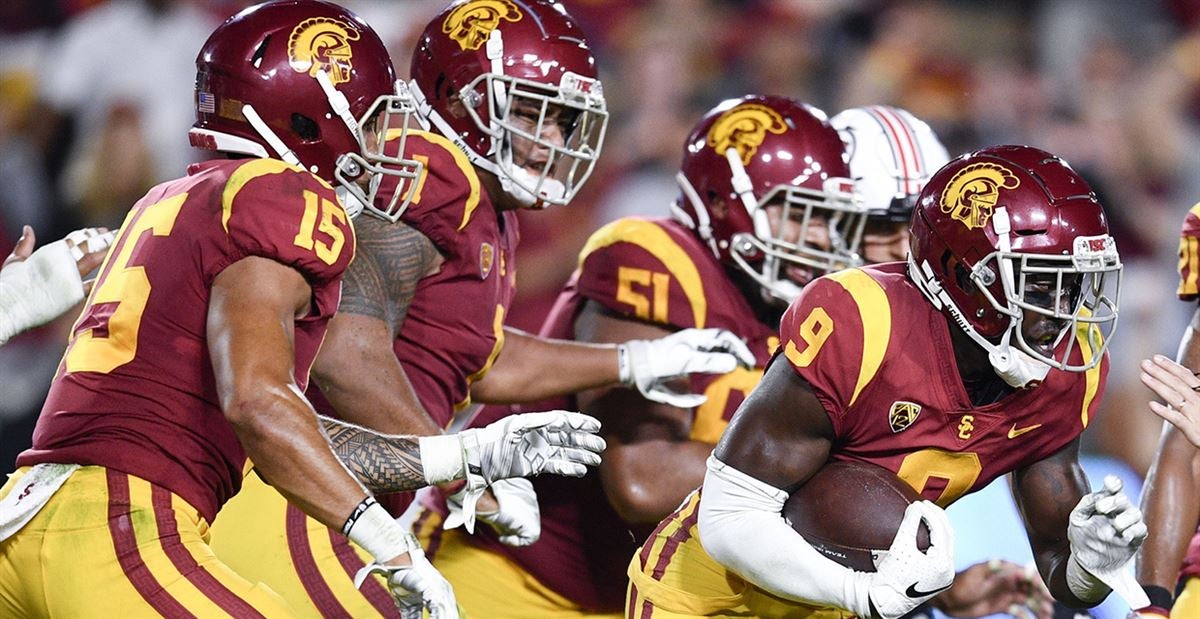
{"points": [[1105, 531], [38, 289], [907, 577], [649, 364], [518, 522], [415, 587], [559, 442]]}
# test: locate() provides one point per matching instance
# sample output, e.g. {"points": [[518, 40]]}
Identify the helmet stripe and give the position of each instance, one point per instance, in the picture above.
{"points": [[897, 155], [900, 139], [919, 167]]}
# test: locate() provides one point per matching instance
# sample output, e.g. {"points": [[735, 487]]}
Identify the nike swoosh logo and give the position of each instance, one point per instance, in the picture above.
{"points": [[914, 593], [1013, 432]]}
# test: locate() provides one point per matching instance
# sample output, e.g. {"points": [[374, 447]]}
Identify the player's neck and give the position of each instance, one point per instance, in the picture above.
{"points": [[501, 201], [980, 381], [768, 312]]}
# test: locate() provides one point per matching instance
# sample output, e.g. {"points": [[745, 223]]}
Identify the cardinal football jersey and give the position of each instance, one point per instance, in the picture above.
{"points": [[135, 391], [651, 270], [879, 358]]}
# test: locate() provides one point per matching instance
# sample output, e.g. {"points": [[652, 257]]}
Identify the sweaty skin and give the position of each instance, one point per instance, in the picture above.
{"points": [[250, 337], [782, 435]]}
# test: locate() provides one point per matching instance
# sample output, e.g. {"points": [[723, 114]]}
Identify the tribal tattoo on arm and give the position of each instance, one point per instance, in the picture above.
{"points": [[381, 281], [383, 463]]}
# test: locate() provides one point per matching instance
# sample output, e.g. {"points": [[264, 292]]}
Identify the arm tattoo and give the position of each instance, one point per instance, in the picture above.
{"points": [[381, 281], [383, 463]]}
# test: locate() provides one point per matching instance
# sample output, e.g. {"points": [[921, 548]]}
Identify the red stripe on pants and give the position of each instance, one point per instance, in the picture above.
{"points": [[306, 568], [120, 527], [168, 535]]}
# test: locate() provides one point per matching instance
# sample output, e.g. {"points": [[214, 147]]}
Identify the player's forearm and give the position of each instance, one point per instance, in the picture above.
{"points": [[742, 527], [384, 402], [280, 433], [359, 374], [383, 463], [1052, 564], [1171, 507], [640, 489], [532, 368]]}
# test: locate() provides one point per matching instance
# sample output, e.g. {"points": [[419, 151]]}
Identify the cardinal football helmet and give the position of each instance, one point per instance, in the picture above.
{"points": [[488, 71], [754, 151], [1013, 229], [892, 155], [310, 83]]}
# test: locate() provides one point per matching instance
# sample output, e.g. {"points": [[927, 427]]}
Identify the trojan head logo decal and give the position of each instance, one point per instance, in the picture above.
{"points": [[744, 128], [472, 22], [322, 44], [971, 195], [902, 415]]}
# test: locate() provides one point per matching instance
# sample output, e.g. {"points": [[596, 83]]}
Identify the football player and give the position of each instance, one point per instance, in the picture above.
{"points": [[39, 286], [750, 227], [892, 155], [191, 355], [1171, 499], [514, 117], [983, 354], [657, 452]]}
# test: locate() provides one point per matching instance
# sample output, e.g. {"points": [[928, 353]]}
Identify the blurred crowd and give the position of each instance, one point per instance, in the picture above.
{"points": [[96, 99]]}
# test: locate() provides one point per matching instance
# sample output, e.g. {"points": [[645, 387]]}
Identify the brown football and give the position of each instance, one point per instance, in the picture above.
{"points": [[850, 510]]}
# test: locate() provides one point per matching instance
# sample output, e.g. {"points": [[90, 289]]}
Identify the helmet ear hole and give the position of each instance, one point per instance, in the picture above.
{"points": [[962, 278], [305, 127]]}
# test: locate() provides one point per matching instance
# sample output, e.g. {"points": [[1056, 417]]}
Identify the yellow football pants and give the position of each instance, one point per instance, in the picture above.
{"points": [[672, 577], [489, 585], [266, 539], [1187, 605], [109, 544]]}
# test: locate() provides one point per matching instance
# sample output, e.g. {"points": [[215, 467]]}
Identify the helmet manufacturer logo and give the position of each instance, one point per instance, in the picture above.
{"points": [[471, 23], [487, 257], [744, 128], [972, 194], [902, 415], [323, 44]]}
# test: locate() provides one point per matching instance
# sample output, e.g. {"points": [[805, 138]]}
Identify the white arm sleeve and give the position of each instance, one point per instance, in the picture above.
{"points": [[742, 527], [39, 289]]}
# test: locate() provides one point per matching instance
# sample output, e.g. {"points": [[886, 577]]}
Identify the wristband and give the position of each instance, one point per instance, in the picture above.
{"points": [[624, 371], [1161, 601], [1083, 584], [373, 528], [443, 458]]}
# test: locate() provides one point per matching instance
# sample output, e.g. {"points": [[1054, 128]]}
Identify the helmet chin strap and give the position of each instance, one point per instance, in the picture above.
{"points": [[703, 226], [269, 135], [350, 201], [773, 286], [430, 118], [1017, 368]]}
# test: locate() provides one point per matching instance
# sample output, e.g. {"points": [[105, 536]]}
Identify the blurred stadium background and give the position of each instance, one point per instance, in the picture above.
{"points": [[96, 98]]}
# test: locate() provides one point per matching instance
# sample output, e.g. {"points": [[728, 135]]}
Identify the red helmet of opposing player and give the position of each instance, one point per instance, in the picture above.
{"points": [[492, 75], [751, 153], [299, 80], [1011, 230]]}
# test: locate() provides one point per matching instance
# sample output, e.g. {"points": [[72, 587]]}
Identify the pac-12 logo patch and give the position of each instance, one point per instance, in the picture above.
{"points": [[902, 415], [744, 128], [323, 43], [471, 23], [487, 257], [972, 194]]}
